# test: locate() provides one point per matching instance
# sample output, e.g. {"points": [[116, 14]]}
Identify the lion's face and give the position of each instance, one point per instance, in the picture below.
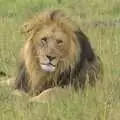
{"points": [[52, 47]]}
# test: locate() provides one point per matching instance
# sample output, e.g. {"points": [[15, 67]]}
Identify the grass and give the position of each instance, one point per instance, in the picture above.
{"points": [[102, 103]]}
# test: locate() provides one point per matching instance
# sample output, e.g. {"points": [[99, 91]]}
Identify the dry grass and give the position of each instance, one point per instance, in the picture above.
{"points": [[102, 103]]}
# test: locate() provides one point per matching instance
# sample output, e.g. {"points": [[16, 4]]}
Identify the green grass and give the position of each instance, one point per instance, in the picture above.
{"points": [[102, 103]]}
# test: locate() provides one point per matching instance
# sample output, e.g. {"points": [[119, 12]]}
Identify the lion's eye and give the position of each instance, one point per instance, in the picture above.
{"points": [[44, 39], [59, 41]]}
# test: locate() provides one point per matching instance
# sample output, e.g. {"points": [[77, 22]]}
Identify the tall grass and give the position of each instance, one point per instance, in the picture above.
{"points": [[100, 103]]}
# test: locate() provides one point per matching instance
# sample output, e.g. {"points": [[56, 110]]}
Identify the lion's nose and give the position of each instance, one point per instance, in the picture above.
{"points": [[50, 57]]}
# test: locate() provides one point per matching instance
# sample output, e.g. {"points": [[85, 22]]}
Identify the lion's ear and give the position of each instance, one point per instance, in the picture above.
{"points": [[26, 28], [87, 51]]}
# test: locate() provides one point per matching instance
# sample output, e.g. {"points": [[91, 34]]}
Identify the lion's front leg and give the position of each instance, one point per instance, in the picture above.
{"points": [[51, 94]]}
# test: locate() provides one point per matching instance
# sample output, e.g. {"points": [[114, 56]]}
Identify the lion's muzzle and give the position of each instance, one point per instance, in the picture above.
{"points": [[48, 67]]}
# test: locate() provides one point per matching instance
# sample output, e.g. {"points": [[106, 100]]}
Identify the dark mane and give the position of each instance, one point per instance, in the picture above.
{"points": [[87, 54], [21, 81]]}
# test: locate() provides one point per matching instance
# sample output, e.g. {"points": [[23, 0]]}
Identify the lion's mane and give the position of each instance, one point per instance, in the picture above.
{"points": [[81, 65]]}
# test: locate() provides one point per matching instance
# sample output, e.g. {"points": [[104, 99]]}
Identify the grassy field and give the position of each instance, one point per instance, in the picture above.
{"points": [[100, 21]]}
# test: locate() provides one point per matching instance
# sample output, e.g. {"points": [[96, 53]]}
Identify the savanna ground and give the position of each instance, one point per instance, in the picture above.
{"points": [[100, 20]]}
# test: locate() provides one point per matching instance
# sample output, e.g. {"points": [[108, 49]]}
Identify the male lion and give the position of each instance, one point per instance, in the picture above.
{"points": [[56, 54]]}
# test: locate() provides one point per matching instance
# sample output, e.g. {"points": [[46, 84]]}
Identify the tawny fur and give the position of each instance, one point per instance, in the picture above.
{"points": [[79, 62]]}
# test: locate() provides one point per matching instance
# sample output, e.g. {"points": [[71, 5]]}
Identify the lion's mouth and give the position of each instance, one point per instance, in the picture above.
{"points": [[48, 67]]}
